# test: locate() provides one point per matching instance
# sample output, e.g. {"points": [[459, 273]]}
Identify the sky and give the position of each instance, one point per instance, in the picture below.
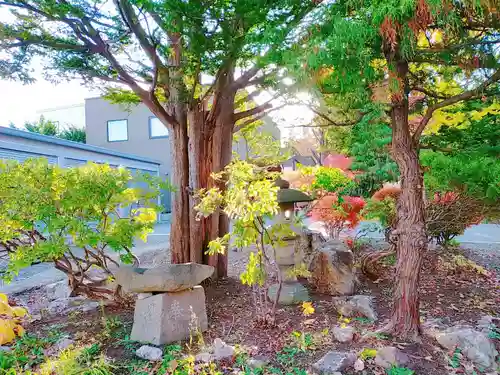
{"points": [[20, 103]]}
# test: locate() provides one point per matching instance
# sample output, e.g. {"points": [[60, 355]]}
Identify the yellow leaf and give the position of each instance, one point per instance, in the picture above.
{"points": [[19, 311], [4, 298], [307, 308], [20, 330], [5, 309], [6, 331], [368, 353], [325, 332]]}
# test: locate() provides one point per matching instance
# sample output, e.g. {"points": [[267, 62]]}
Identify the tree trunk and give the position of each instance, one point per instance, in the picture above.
{"points": [[210, 150], [411, 234], [180, 226]]}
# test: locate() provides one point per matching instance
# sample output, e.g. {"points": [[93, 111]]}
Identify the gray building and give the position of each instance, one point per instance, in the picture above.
{"points": [[137, 131], [21, 145]]}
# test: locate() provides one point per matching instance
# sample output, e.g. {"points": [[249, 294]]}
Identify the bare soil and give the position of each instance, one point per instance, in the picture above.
{"points": [[454, 296]]}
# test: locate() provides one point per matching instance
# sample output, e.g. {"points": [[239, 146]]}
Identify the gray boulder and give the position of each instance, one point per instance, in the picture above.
{"points": [[291, 293], [334, 361], [343, 334], [149, 353], [59, 346], [389, 356], [166, 278], [332, 269], [355, 305], [475, 345], [258, 362], [222, 350], [64, 306], [58, 290]]}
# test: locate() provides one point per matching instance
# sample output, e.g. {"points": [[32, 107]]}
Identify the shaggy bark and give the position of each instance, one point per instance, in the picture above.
{"points": [[411, 234]]}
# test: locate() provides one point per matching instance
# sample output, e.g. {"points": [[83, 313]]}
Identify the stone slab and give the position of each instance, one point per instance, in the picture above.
{"points": [[166, 278], [168, 317]]}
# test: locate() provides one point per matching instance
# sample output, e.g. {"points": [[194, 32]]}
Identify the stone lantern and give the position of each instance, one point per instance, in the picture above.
{"points": [[289, 256]]}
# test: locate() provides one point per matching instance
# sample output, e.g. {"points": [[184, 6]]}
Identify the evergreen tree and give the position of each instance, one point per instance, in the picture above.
{"points": [[408, 61]]}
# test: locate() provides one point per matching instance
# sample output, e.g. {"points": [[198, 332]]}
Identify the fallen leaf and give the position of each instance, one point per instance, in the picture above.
{"points": [[309, 322]]}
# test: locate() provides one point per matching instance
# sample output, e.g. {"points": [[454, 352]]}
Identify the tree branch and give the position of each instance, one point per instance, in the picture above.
{"points": [[332, 122], [53, 44], [430, 93], [453, 100], [128, 15], [251, 112], [243, 80]]}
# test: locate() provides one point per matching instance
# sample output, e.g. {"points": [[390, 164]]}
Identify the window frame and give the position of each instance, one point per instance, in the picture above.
{"points": [[107, 130], [150, 128]]}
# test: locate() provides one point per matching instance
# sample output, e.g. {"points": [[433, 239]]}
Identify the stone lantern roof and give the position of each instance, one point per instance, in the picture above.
{"points": [[287, 195]]}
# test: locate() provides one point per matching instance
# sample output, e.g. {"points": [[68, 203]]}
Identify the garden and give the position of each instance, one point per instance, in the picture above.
{"points": [[350, 265]]}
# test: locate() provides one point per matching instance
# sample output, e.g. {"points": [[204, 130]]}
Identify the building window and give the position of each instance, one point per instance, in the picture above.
{"points": [[117, 130], [157, 129]]}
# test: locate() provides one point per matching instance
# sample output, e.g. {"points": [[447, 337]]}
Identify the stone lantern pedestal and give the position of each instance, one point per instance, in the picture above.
{"points": [[170, 305], [292, 292]]}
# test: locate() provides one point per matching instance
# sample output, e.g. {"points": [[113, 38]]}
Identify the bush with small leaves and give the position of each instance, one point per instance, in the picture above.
{"points": [[47, 211]]}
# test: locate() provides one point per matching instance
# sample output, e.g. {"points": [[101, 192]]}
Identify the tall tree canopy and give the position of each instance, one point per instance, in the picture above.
{"points": [[408, 61], [160, 50]]}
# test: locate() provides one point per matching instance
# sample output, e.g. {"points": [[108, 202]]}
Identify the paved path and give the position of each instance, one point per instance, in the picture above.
{"points": [[477, 234], [483, 235]]}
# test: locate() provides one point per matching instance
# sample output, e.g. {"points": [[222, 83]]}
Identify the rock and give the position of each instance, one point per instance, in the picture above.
{"points": [[332, 269], [389, 356], [59, 346], [475, 345], [166, 278], [168, 317], [222, 350], [203, 357], [359, 365], [58, 290], [291, 293], [5, 349], [63, 306], [334, 361], [149, 353], [258, 362], [487, 323], [343, 334], [355, 305]]}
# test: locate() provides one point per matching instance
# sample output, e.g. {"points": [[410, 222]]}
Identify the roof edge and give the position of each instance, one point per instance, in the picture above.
{"points": [[82, 146]]}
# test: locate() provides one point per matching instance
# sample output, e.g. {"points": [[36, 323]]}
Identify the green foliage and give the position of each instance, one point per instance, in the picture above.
{"points": [[51, 128], [72, 133], [250, 198], [382, 210], [331, 180], [263, 149], [43, 205], [369, 147], [481, 136], [44, 127], [395, 370], [476, 176], [454, 361]]}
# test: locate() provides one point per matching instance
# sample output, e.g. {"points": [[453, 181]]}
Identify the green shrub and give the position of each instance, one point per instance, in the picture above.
{"points": [[44, 208]]}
